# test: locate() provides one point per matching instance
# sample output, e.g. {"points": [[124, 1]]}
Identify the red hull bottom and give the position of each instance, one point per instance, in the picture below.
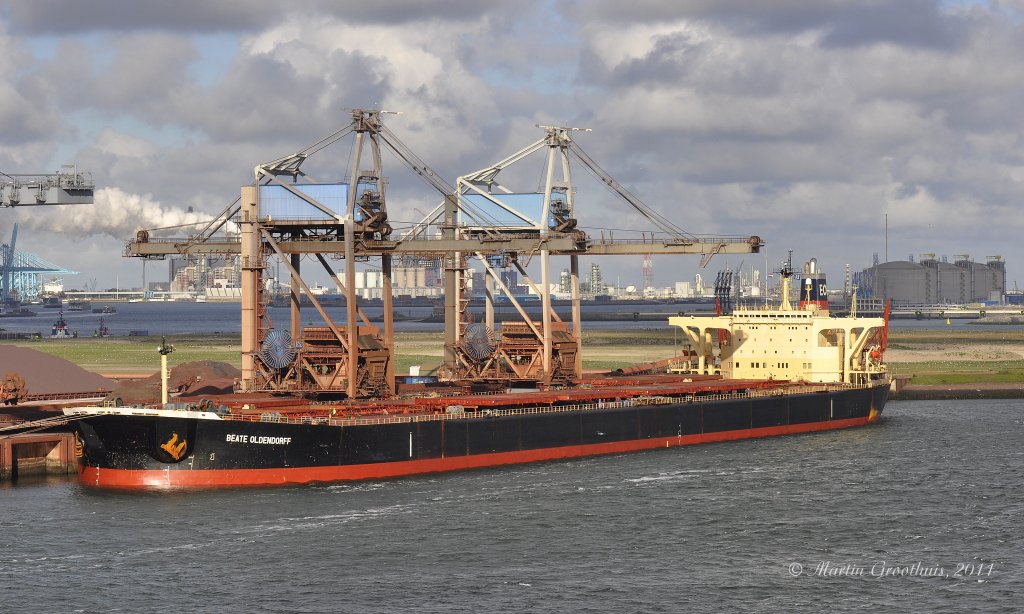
{"points": [[225, 478]]}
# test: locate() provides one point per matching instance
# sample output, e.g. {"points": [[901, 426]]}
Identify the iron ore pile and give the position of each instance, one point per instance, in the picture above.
{"points": [[190, 380], [46, 375]]}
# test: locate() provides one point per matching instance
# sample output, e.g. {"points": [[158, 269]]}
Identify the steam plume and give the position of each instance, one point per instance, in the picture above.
{"points": [[115, 213]]}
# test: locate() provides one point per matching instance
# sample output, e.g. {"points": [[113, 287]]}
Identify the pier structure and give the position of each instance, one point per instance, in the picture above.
{"points": [[37, 454], [288, 215]]}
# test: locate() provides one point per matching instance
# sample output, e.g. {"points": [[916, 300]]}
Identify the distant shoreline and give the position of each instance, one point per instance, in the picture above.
{"points": [[945, 392], [999, 320]]}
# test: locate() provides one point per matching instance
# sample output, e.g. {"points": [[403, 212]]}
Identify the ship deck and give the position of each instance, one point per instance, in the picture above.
{"points": [[592, 393]]}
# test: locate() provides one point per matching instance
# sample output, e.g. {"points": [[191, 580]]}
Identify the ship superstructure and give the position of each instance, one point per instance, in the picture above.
{"points": [[801, 344]]}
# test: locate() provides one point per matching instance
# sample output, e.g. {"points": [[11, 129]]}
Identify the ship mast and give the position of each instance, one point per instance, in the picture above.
{"points": [[786, 272]]}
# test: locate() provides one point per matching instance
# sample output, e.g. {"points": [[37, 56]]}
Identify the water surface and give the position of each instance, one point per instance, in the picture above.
{"points": [[703, 528]]}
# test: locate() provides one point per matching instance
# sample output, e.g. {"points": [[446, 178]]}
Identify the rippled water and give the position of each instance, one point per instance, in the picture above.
{"points": [[703, 528]]}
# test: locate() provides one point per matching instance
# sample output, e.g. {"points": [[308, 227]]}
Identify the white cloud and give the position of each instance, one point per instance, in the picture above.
{"points": [[125, 145]]}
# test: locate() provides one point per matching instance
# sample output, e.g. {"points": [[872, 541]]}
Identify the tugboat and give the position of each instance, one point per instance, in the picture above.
{"points": [[102, 331], [60, 328]]}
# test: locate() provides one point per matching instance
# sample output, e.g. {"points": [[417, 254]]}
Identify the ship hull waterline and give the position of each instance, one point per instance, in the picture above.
{"points": [[226, 453]]}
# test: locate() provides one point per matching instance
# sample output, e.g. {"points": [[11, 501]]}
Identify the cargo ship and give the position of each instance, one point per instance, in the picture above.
{"points": [[756, 372]]}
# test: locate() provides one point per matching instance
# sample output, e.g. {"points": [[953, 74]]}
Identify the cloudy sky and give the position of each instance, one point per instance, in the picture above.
{"points": [[806, 122]]}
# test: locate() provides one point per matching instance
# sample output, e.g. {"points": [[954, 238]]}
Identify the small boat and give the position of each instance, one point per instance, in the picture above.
{"points": [[60, 328], [102, 331], [105, 309]]}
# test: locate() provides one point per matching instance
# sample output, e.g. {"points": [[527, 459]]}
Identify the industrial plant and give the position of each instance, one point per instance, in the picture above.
{"points": [[934, 281]]}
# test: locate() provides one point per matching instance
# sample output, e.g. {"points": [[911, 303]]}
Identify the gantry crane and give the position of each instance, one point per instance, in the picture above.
{"points": [[7, 257], [288, 214], [545, 351]]}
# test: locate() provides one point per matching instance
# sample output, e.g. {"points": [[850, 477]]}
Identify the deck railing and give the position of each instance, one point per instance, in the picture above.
{"points": [[540, 409]]}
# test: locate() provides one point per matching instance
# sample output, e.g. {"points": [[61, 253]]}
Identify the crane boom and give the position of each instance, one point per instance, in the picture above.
{"points": [[67, 186]]}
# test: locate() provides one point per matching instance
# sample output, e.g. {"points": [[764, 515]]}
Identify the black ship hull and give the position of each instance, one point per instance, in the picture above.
{"points": [[159, 452]]}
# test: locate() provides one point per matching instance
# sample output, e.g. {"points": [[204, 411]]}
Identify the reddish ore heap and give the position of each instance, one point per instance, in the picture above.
{"points": [[187, 380]]}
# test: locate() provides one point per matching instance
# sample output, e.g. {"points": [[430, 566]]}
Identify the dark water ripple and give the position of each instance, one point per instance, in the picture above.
{"points": [[705, 528]]}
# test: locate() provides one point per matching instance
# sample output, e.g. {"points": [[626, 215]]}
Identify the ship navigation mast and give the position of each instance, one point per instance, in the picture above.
{"points": [[786, 274]]}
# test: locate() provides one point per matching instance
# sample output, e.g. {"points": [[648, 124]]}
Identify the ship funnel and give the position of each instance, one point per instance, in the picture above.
{"points": [[813, 293]]}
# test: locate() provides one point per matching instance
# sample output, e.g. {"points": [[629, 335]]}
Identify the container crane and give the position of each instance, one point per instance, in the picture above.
{"points": [[6, 266], [67, 186]]}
